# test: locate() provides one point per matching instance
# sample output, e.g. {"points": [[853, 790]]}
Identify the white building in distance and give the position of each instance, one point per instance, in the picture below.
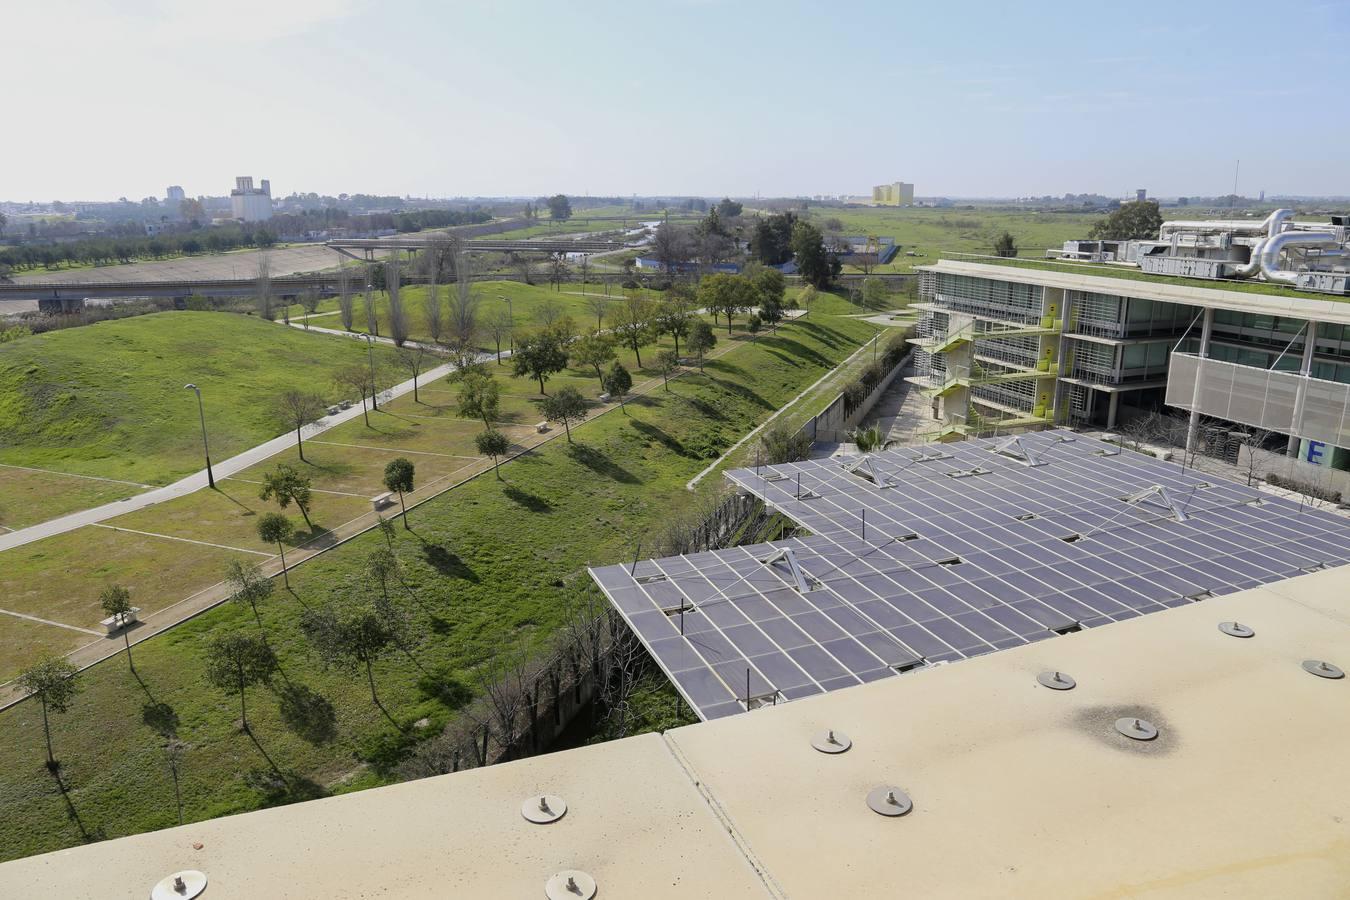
{"points": [[248, 203]]}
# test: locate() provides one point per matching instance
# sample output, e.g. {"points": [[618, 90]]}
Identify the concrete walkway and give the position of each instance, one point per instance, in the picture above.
{"points": [[902, 412]]}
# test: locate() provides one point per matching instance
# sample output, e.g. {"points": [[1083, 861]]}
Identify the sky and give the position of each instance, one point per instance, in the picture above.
{"points": [[114, 98]]}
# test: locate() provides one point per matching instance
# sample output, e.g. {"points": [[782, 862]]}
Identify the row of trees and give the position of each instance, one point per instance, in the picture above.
{"points": [[105, 251]]}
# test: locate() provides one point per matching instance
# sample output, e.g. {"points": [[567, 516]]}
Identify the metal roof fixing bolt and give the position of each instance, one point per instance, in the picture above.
{"points": [[543, 805], [1323, 666], [830, 735], [1059, 677], [179, 885], [890, 798], [572, 885]]}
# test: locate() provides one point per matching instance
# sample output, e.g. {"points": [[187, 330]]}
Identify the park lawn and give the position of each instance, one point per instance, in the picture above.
{"points": [[930, 232], [28, 497], [60, 578], [24, 642], [486, 563], [228, 516], [108, 399]]}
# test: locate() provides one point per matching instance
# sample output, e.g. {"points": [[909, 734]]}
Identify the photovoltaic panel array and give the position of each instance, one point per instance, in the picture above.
{"points": [[926, 555]]}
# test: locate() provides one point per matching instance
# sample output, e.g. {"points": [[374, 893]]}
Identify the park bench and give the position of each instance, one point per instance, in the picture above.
{"points": [[604, 398], [114, 624], [380, 501], [541, 427]]}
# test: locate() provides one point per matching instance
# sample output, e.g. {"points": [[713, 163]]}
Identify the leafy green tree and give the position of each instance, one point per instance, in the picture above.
{"points": [[728, 208], [116, 602], [398, 476], [617, 383], [727, 295], [701, 340], [288, 486], [1006, 245], [771, 241], [559, 208], [354, 637], [251, 587], [55, 681], [538, 357], [1133, 221], [770, 285], [673, 317], [565, 406], [632, 322], [667, 362], [593, 350], [875, 294], [235, 662], [816, 264], [479, 397], [494, 444], [274, 528]]}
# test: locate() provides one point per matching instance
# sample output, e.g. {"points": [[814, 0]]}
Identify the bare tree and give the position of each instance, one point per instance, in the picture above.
{"points": [[345, 300], [1252, 465], [309, 302], [297, 409], [357, 378], [557, 269], [413, 359], [372, 317], [463, 324], [431, 309], [499, 328], [522, 266], [264, 286], [600, 306], [398, 320], [549, 312]]}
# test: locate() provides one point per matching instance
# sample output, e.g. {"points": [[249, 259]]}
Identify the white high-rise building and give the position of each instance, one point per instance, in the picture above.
{"points": [[248, 203]]}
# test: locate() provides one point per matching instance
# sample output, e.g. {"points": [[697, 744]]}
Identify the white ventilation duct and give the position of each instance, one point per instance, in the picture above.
{"points": [[1268, 254]]}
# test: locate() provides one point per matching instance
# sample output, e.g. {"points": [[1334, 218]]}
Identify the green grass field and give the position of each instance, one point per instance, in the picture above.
{"points": [[485, 562], [930, 232], [108, 399]]}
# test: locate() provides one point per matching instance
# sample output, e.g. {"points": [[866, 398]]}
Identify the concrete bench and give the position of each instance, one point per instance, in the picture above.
{"points": [[541, 427], [380, 501], [604, 398], [114, 624]]}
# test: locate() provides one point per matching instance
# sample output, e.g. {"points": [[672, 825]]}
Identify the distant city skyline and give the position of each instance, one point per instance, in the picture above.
{"points": [[694, 97]]}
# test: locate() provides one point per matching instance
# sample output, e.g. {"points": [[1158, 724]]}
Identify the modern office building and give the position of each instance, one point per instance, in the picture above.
{"points": [[174, 195], [250, 204], [897, 193], [1242, 322]]}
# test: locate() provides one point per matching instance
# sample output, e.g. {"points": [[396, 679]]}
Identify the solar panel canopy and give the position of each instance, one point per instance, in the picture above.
{"points": [[926, 555]]}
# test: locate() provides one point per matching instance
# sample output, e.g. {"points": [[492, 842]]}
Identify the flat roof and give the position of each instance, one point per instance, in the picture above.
{"points": [[1017, 790], [920, 556], [1255, 297]]}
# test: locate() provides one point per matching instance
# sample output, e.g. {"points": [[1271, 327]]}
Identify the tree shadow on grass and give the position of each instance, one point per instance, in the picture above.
{"points": [[73, 814], [308, 713], [532, 502], [600, 464], [741, 390], [447, 563], [449, 690], [704, 408], [660, 436], [161, 717], [277, 788], [792, 351]]}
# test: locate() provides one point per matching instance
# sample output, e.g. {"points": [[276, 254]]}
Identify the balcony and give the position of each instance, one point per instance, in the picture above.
{"points": [[1287, 402]]}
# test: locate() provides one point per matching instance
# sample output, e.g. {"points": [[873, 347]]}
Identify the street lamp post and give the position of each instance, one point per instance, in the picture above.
{"points": [[201, 413], [370, 353], [511, 329]]}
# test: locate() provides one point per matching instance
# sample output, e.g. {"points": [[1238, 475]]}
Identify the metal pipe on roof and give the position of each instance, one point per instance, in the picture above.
{"points": [[1271, 249]]}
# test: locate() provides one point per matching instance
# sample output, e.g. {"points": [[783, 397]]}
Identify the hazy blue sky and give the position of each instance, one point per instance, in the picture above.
{"points": [[123, 97]]}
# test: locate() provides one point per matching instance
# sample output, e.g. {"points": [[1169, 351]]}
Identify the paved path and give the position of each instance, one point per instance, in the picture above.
{"points": [[197, 480], [902, 412]]}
